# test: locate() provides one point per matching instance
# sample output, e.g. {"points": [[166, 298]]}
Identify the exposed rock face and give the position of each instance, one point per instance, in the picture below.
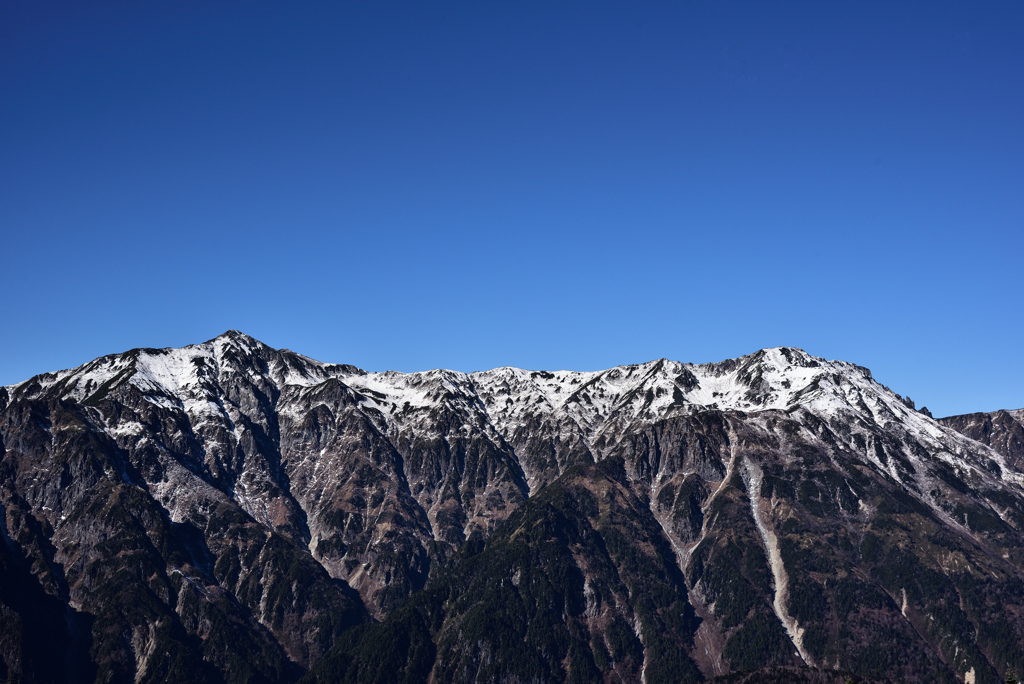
{"points": [[1001, 430], [231, 512]]}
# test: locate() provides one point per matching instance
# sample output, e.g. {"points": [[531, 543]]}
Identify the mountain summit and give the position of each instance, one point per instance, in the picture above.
{"points": [[231, 512]]}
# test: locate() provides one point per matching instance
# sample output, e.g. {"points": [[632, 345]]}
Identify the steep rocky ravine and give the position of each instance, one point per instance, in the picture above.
{"points": [[232, 512]]}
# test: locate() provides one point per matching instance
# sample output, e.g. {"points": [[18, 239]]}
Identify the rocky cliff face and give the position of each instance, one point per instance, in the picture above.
{"points": [[1001, 430], [232, 512]]}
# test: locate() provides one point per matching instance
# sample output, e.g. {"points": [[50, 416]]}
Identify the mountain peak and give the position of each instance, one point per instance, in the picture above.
{"points": [[237, 338]]}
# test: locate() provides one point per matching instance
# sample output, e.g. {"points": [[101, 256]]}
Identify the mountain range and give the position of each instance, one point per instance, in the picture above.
{"points": [[230, 512]]}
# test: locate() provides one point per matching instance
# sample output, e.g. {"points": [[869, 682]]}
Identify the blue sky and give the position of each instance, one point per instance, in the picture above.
{"points": [[548, 185]]}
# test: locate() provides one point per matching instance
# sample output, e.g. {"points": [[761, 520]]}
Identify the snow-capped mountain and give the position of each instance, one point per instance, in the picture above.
{"points": [[231, 511]]}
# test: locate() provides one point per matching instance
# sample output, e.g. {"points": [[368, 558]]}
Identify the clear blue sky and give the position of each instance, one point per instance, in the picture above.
{"points": [[548, 185]]}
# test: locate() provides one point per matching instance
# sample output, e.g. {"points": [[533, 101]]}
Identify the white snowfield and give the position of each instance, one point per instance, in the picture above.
{"points": [[598, 402]]}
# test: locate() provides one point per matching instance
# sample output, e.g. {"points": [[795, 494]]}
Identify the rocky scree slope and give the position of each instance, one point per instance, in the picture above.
{"points": [[232, 512]]}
